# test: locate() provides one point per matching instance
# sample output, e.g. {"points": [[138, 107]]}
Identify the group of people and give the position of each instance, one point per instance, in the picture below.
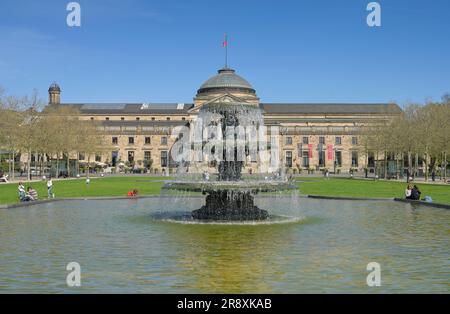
{"points": [[29, 194], [412, 192]]}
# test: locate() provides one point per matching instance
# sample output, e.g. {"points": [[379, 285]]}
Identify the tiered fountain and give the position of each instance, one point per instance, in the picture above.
{"points": [[230, 197]]}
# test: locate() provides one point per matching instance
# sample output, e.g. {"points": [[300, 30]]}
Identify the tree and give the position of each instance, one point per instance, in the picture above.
{"points": [[9, 134], [89, 138], [440, 133], [52, 131], [28, 131], [417, 131]]}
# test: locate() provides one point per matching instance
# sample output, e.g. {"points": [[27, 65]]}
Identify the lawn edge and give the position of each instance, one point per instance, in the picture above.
{"points": [[341, 198]]}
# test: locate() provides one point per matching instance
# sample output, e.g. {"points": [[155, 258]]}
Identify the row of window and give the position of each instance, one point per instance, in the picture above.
{"points": [[82, 156], [289, 160], [147, 140], [337, 140], [305, 140], [130, 157], [337, 159], [138, 118], [147, 157]]}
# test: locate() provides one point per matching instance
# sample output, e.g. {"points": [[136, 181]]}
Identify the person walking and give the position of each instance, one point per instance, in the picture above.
{"points": [[50, 188]]}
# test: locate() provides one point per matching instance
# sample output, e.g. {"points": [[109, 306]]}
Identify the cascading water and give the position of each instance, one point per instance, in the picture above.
{"points": [[230, 196]]}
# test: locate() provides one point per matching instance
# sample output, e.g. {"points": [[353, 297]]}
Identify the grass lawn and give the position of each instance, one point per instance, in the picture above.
{"points": [[368, 188], [108, 186], [119, 186]]}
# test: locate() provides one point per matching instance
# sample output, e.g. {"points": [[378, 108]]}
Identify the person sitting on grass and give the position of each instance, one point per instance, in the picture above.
{"points": [[32, 194], [408, 192], [415, 193], [23, 197]]}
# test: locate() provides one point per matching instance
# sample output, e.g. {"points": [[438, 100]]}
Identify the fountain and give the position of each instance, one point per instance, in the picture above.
{"points": [[229, 196]]}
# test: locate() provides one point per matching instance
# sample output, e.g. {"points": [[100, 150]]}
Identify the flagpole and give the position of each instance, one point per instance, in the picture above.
{"points": [[226, 51], [226, 56]]}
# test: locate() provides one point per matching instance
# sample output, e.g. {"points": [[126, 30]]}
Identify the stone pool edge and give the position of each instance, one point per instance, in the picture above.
{"points": [[93, 198], [396, 199], [342, 198]]}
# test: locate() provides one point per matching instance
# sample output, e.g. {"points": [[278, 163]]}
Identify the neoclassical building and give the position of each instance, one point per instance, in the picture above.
{"points": [[314, 136]]}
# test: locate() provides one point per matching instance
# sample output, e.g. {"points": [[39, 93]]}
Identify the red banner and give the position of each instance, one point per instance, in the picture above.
{"points": [[330, 151], [310, 150]]}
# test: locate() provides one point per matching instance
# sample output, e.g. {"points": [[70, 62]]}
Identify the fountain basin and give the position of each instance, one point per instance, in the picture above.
{"points": [[230, 200], [244, 186]]}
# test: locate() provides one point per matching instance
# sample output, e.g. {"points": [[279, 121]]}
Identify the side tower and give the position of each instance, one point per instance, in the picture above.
{"points": [[54, 94]]}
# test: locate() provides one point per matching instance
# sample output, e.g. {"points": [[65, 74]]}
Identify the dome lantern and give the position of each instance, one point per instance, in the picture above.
{"points": [[54, 94]]}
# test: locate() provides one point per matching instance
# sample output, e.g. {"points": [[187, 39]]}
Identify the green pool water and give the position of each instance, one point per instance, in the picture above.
{"points": [[122, 247]]}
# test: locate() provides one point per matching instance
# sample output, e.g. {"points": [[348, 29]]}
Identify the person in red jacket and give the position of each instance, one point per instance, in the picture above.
{"points": [[132, 193]]}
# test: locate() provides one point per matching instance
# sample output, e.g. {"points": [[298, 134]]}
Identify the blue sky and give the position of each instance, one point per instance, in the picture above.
{"points": [[290, 51]]}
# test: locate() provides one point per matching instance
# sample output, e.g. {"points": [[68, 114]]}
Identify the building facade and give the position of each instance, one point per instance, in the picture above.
{"points": [[314, 136]]}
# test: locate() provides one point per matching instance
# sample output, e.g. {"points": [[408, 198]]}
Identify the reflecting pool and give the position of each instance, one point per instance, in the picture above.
{"points": [[125, 246]]}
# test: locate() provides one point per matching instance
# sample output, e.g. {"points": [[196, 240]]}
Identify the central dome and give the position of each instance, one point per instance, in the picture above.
{"points": [[226, 79]]}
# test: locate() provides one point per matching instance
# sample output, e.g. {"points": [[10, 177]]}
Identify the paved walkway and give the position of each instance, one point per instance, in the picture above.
{"points": [[420, 180], [371, 178]]}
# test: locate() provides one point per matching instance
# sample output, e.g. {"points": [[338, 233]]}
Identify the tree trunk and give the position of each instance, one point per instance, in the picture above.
{"points": [[409, 166], [43, 161], [367, 159], [385, 165], [416, 165], [397, 169], [88, 166], [68, 166], [375, 165], [49, 164], [445, 166], [57, 165], [29, 165], [9, 164], [13, 165]]}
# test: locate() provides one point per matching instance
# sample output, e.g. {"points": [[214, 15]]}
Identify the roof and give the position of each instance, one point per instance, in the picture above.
{"points": [[269, 108], [312, 108], [132, 108], [54, 87], [226, 78], [111, 123]]}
